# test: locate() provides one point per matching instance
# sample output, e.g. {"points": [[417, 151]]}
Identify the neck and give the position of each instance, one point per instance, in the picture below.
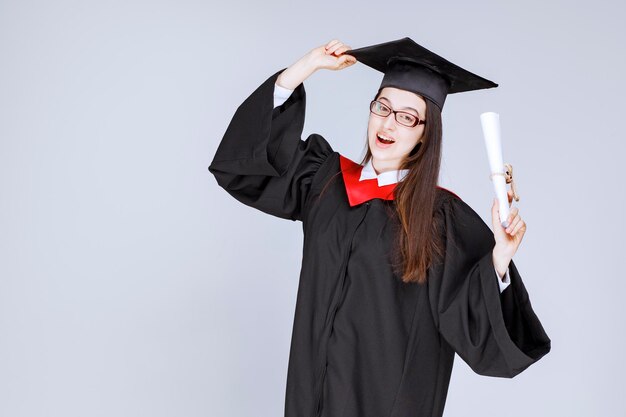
{"points": [[384, 166]]}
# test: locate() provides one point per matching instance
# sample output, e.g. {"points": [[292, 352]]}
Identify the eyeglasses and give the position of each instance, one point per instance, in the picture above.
{"points": [[402, 117]]}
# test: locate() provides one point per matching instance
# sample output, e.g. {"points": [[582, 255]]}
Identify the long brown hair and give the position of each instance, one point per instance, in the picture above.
{"points": [[418, 238]]}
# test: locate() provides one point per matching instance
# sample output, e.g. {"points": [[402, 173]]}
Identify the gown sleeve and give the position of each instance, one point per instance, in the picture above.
{"points": [[496, 334], [262, 160]]}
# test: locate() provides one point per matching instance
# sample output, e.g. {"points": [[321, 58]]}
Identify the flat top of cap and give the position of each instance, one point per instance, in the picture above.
{"points": [[383, 56]]}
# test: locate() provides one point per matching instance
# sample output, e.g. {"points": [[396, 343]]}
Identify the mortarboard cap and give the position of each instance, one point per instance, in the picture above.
{"points": [[412, 67]]}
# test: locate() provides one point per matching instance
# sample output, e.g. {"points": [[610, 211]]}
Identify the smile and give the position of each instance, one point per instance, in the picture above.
{"points": [[384, 139]]}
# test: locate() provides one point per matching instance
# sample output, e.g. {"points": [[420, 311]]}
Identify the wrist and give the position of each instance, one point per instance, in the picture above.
{"points": [[500, 262], [295, 74]]}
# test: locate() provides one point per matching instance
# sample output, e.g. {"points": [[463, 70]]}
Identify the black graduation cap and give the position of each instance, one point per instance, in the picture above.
{"points": [[412, 67]]}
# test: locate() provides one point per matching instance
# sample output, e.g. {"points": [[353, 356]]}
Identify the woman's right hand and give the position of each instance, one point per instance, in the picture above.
{"points": [[330, 56]]}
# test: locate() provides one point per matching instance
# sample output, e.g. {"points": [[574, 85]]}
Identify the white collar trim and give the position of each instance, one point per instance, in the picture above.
{"points": [[384, 178]]}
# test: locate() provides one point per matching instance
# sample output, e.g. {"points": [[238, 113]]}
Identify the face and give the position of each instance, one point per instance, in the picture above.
{"points": [[387, 157]]}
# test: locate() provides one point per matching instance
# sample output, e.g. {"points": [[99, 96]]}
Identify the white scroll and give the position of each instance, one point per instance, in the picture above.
{"points": [[491, 132]]}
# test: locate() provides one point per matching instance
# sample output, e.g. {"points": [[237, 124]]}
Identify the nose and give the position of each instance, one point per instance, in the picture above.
{"points": [[390, 122]]}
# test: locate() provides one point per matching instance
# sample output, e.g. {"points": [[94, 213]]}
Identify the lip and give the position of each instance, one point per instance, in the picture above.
{"points": [[381, 145]]}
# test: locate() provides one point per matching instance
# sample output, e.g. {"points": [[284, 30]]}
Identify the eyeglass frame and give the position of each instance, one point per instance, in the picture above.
{"points": [[395, 114]]}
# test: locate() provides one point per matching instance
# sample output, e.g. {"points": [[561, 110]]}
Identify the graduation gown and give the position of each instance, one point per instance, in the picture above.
{"points": [[365, 344]]}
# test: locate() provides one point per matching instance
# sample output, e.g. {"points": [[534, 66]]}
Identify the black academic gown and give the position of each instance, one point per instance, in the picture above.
{"points": [[364, 344]]}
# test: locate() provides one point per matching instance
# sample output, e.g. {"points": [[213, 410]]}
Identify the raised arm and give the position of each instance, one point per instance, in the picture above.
{"points": [[262, 160]]}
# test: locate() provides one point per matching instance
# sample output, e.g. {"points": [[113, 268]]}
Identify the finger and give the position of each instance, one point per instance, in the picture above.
{"points": [[330, 44], [513, 223], [334, 48], [495, 206], [512, 213], [519, 226], [341, 62], [510, 195], [495, 215], [341, 49], [346, 60]]}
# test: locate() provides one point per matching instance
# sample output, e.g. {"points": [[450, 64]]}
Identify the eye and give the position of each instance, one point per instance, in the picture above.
{"points": [[380, 109], [407, 118]]}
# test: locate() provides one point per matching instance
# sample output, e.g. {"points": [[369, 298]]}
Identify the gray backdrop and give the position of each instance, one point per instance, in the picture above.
{"points": [[132, 285]]}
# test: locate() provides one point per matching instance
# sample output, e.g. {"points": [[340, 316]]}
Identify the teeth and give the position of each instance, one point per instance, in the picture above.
{"points": [[385, 137]]}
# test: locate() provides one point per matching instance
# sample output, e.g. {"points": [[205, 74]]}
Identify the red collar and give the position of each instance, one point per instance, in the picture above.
{"points": [[362, 191]]}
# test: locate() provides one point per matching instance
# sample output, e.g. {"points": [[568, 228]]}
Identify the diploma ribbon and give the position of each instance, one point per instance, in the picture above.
{"points": [[508, 176]]}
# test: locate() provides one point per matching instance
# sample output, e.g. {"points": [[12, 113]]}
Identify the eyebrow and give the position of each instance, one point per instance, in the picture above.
{"points": [[404, 108]]}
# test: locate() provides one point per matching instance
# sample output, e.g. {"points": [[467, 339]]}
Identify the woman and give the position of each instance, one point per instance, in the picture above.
{"points": [[397, 273]]}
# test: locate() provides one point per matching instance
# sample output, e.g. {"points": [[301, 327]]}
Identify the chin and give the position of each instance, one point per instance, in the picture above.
{"points": [[380, 153]]}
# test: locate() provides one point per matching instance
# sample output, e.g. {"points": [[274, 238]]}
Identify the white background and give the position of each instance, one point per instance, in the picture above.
{"points": [[132, 285]]}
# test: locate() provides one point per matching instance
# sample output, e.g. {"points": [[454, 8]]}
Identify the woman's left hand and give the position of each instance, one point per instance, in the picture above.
{"points": [[509, 239]]}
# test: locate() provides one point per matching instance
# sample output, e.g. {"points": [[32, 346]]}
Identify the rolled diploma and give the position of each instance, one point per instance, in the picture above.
{"points": [[491, 132]]}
